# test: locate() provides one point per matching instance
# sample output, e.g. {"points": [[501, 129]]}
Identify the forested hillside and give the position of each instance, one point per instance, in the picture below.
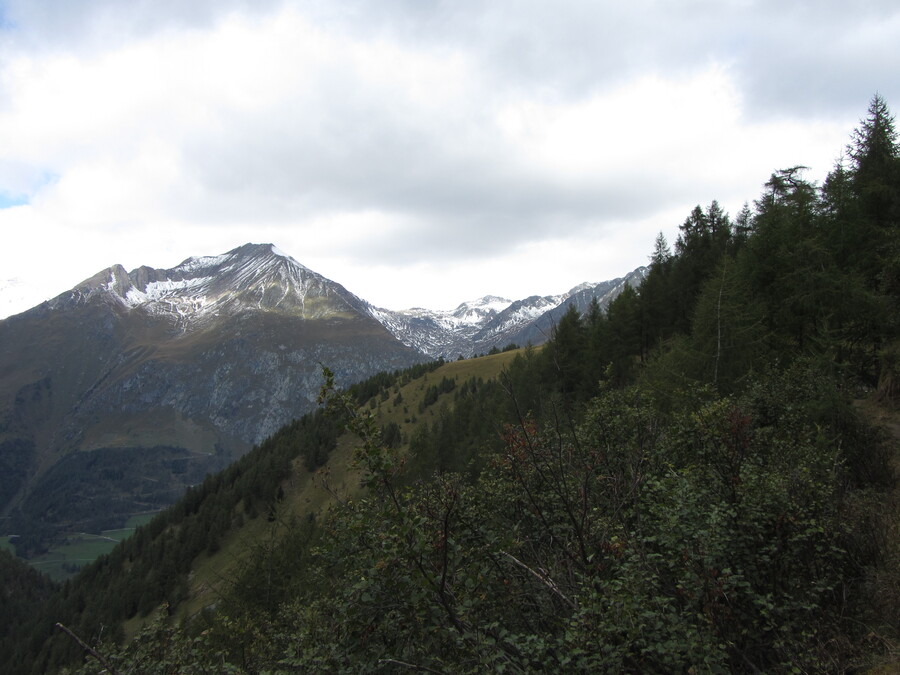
{"points": [[683, 483]]}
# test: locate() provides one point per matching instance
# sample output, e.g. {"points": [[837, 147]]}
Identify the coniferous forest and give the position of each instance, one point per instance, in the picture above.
{"points": [[694, 480]]}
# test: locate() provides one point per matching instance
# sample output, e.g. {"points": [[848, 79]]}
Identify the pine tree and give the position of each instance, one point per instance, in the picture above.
{"points": [[874, 153], [875, 179], [743, 226], [569, 340], [703, 239], [662, 254], [657, 296]]}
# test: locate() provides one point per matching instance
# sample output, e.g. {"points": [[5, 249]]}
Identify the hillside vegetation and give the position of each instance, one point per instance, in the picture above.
{"points": [[687, 482]]}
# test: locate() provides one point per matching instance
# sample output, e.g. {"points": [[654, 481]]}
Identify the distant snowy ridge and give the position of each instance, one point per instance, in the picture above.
{"points": [[478, 325]]}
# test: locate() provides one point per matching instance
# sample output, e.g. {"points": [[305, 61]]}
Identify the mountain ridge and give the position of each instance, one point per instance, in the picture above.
{"points": [[477, 326], [261, 276]]}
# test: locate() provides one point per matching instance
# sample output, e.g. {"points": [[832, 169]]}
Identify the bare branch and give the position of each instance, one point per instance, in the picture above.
{"points": [[90, 650], [543, 577], [413, 666]]}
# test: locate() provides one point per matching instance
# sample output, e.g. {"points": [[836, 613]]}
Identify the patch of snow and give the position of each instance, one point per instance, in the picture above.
{"points": [[487, 303], [203, 262], [580, 287], [159, 290], [134, 297]]}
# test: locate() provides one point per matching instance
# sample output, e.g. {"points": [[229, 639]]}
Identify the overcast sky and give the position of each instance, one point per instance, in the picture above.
{"points": [[419, 152]]}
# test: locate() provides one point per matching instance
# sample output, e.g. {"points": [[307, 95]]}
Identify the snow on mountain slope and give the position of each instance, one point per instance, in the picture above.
{"points": [[253, 276], [478, 325], [541, 328], [441, 334]]}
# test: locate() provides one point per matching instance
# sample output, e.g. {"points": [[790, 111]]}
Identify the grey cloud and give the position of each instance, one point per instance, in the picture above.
{"points": [[815, 60], [792, 57], [98, 24], [445, 175], [451, 195], [354, 150]]}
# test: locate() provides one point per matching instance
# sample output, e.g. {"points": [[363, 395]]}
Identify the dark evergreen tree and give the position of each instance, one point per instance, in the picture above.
{"points": [[565, 352], [624, 348], [657, 297], [703, 239], [743, 227], [874, 155]]}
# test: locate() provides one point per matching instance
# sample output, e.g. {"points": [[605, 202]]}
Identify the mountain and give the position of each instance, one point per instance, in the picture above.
{"points": [[118, 394], [478, 326], [442, 334], [538, 330]]}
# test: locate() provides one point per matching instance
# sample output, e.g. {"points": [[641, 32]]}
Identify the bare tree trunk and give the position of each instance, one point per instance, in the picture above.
{"points": [[90, 650]]}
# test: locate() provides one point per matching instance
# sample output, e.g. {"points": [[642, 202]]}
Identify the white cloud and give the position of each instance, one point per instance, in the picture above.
{"points": [[412, 151]]}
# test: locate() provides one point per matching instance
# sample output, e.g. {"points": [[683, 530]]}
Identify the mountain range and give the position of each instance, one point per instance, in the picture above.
{"points": [[477, 326], [119, 393]]}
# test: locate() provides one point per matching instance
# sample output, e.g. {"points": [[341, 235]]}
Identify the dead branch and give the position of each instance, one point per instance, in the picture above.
{"points": [[90, 650]]}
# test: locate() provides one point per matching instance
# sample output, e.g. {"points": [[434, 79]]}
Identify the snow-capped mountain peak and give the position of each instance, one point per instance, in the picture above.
{"points": [[477, 311], [252, 276], [487, 303]]}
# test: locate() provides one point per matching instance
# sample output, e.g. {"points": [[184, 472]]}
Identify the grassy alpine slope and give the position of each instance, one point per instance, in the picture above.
{"points": [[681, 483], [189, 555]]}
